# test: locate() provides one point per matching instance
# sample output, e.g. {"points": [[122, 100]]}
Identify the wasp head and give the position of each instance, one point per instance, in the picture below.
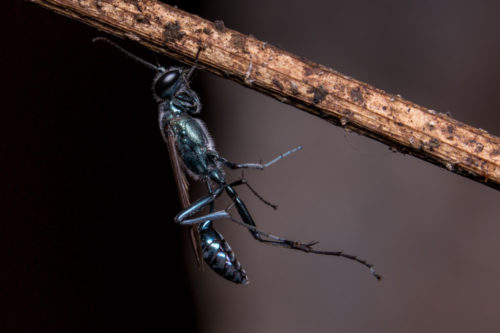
{"points": [[168, 83]]}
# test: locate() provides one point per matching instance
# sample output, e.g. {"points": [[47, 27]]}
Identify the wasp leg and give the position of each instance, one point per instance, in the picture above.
{"points": [[259, 166], [248, 222], [182, 217], [286, 243], [244, 181]]}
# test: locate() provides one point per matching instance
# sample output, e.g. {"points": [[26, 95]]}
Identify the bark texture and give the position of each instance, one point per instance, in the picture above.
{"points": [[404, 126]]}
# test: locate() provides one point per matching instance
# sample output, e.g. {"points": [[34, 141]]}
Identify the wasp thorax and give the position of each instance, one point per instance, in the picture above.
{"points": [[167, 83]]}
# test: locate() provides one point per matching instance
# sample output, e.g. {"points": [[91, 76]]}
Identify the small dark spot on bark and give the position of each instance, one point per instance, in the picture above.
{"points": [[200, 44], [451, 138], [278, 84], [471, 142], [347, 112], [399, 123], [207, 31], [434, 143], [219, 25], [479, 148], [495, 152], [450, 129], [408, 110], [357, 96], [307, 71], [384, 108], [142, 19], [319, 94], [257, 73], [240, 42], [173, 32]]}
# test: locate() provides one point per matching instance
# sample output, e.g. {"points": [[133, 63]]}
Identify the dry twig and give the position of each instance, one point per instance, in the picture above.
{"points": [[343, 101]]}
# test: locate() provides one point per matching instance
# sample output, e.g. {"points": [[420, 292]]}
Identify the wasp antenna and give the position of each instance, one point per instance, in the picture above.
{"points": [[194, 65], [127, 53], [157, 61]]}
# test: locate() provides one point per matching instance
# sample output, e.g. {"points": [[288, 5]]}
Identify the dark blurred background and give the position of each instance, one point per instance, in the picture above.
{"points": [[87, 241]]}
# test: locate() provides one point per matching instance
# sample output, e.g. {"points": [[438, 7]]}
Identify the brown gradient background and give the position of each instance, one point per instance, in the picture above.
{"points": [[89, 199]]}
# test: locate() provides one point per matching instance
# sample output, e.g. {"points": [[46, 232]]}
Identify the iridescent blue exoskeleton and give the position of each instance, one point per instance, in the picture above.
{"points": [[178, 106]]}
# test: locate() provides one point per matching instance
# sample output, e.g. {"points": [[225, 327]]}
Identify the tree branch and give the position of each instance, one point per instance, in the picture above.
{"points": [[341, 100]]}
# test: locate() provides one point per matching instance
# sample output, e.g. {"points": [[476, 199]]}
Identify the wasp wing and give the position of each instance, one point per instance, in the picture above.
{"points": [[182, 189]]}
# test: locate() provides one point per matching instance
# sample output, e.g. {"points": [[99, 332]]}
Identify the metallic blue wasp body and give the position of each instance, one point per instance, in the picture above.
{"points": [[195, 150], [177, 106]]}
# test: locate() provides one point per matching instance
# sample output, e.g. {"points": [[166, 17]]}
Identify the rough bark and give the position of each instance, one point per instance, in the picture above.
{"points": [[341, 100]]}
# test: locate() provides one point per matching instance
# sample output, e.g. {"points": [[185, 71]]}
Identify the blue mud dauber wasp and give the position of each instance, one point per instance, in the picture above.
{"points": [[192, 150]]}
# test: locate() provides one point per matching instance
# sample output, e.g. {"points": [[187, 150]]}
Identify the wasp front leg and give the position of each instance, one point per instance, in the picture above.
{"points": [[259, 166]]}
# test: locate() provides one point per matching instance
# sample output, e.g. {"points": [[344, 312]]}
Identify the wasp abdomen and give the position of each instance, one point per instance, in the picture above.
{"points": [[219, 256]]}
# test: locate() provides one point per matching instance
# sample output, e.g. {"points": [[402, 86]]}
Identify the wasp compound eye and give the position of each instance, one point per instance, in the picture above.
{"points": [[166, 85]]}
